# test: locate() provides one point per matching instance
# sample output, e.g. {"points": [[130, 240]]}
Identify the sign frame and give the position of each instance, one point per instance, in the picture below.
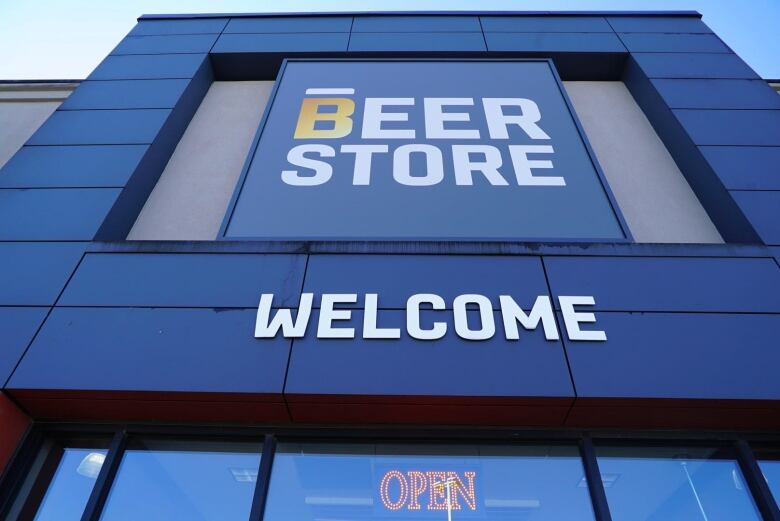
{"points": [[222, 235]]}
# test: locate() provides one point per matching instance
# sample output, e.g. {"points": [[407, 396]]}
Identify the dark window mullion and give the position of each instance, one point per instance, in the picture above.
{"points": [[263, 478], [593, 477], [106, 477], [756, 483]]}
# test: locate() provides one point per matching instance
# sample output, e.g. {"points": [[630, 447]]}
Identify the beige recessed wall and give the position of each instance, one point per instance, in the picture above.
{"points": [[192, 195]]}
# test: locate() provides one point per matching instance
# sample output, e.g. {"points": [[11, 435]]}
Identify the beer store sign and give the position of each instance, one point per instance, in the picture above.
{"points": [[421, 150]]}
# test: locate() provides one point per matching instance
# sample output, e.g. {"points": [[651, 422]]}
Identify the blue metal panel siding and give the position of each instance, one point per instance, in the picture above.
{"points": [[178, 280], [18, 325], [530, 367], [694, 65], [160, 322], [554, 42], [545, 24], [650, 42], [657, 24], [71, 166], [397, 277], [745, 168], [101, 127], [696, 103], [34, 273], [177, 44], [717, 94], [282, 43], [679, 355], [395, 42], [126, 94], [143, 349], [56, 214], [148, 67], [161, 27], [763, 210], [731, 127], [669, 284], [416, 24], [290, 24]]}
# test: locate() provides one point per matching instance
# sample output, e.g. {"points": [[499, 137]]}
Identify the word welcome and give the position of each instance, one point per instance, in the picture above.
{"points": [[439, 490], [512, 316], [383, 120]]}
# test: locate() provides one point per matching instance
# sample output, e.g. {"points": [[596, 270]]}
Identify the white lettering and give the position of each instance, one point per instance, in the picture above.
{"points": [[512, 314], [322, 170], [572, 319], [369, 321], [435, 117], [361, 175], [465, 167], [523, 165], [283, 318], [497, 121], [373, 116], [488, 324], [328, 314], [438, 330], [434, 165], [542, 312]]}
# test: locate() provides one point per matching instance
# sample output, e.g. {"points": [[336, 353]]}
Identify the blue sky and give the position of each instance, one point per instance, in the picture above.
{"points": [[66, 39]]}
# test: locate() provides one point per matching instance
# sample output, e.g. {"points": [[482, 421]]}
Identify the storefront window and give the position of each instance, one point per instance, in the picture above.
{"points": [[674, 484], [427, 482], [72, 483], [165, 480]]}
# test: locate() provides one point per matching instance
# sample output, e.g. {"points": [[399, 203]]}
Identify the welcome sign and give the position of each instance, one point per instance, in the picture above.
{"points": [[421, 150]]}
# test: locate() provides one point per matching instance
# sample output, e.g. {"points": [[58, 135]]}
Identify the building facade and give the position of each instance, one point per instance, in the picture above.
{"points": [[393, 266]]}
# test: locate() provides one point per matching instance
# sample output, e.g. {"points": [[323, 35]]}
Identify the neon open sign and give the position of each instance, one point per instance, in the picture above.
{"points": [[430, 490]]}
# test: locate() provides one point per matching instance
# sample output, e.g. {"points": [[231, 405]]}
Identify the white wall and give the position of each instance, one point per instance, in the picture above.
{"points": [[191, 198], [656, 200], [23, 108]]}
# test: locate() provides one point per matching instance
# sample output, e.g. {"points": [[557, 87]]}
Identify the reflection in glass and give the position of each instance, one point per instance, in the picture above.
{"points": [[675, 484], [167, 480], [426, 482], [69, 489]]}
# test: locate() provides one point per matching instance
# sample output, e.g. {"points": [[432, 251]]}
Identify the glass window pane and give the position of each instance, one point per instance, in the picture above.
{"points": [[165, 480], [674, 484], [769, 462], [71, 485], [403, 482]]}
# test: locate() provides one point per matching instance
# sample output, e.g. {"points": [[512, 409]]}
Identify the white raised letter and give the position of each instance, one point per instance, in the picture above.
{"points": [[488, 325], [283, 318], [541, 312], [464, 166], [322, 170], [362, 173], [435, 118], [369, 321], [523, 165], [328, 314], [434, 165], [373, 118], [572, 319], [438, 330], [497, 121]]}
